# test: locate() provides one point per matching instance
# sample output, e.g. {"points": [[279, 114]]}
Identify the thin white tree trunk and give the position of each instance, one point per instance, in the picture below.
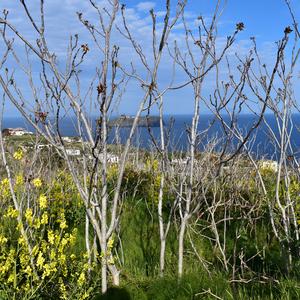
{"points": [[181, 247]]}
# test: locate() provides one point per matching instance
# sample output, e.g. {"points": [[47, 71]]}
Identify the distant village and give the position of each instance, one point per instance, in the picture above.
{"points": [[15, 132], [111, 158]]}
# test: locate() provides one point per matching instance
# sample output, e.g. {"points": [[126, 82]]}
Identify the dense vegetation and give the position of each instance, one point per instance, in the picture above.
{"points": [[42, 236], [82, 219]]}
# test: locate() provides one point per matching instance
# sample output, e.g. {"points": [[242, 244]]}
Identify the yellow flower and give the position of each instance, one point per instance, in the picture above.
{"points": [[86, 295], [11, 278], [11, 212], [81, 279], [20, 226], [51, 237], [110, 243], [4, 188], [40, 260], [29, 216], [3, 239], [37, 182], [72, 237], [48, 269], [26, 287], [28, 270], [5, 182], [35, 250], [19, 180], [24, 260], [63, 224], [62, 259], [62, 289], [44, 219], [43, 201], [52, 254], [37, 223], [18, 155], [62, 220], [64, 242], [21, 240]]}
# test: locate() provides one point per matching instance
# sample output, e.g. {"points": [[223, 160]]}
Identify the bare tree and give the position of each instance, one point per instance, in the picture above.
{"points": [[62, 96]]}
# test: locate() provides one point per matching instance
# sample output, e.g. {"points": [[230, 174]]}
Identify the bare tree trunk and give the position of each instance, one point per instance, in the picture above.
{"points": [[181, 246]]}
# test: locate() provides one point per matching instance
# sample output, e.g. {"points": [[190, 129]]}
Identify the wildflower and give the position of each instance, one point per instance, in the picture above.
{"points": [[44, 219], [35, 250], [26, 287], [29, 216], [5, 182], [52, 254], [37, 182], [28, 270], [11, 212], [51, 237], [11, 278], [72, 237], [3, 239], [24, 260], [18, 155], [62, 259], [20, 226], [4, 187], [62, 289], [19, 180], [86, 295], [37, 223], [21, 240], [63, 224], [81, 279], [43, 201], [48, 269], [110, 243], [40, 260], [62, 245], [62, 220]]}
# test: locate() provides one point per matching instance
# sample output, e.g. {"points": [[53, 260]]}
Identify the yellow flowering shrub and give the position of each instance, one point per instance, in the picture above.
{"points": [[19, 180], [47, 259], [4, 188], [43, 201], [37, 182], [18, 155], [11, 212], [29, 216]]}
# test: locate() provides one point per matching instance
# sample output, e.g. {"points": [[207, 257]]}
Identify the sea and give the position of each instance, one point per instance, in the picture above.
{"points": [[212, 135]]}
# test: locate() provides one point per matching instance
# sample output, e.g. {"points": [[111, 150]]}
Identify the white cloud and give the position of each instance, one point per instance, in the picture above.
{"points": [[145, 6], [61, 21]]}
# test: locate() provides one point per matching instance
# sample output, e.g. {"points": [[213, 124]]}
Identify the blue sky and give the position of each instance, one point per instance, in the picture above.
{"points": [[264, 19]]}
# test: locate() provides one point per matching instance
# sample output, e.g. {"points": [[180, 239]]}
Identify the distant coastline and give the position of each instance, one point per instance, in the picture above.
{"points": [[177, 131]]}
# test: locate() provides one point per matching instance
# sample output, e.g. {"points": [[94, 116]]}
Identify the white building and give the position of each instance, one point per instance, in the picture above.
{"points": [[73, 152], [180, 161], [67, 139], [15, 132], [111, 158], [270, 165]]}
